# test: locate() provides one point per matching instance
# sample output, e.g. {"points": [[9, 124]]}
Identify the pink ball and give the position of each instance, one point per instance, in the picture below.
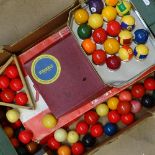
{"points": [[136, 106], [125, 95]]}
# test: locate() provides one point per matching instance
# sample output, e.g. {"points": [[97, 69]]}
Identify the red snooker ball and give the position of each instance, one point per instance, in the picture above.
{"points": [[53, 144], [138, 90], [21, 99], [91, 117], [114, 116], [82, 128], [78, 148], [96, 130], [99, 57], [123, 107], [7, 95], [113, 28], [125, 95], [149, 83], [4, 81], [127, 119], [15, 142], [11, 72], [17, 124], [16, 84], [99, 35]]}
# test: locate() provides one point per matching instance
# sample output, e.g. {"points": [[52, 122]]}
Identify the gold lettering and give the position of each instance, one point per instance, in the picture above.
{"points": [[45, 70]]}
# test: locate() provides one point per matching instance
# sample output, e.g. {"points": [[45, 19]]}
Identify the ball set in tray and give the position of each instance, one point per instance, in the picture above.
{"points": [[101, 28]]}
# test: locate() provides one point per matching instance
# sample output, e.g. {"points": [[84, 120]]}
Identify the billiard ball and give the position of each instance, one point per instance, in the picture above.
{"points": [[148, 101], [72, 137], [25, 136], [135, 106], [8, 131], [49, 121], [95, 21], [7, 95], [113, 62], [4, 81], [91, 117], [123, 107], [53, 144], [99, 35], [32, 147], [17, 124], [111, 2], [96, 130], [127, 119], [137, 90], [78, 148], [64, 150], [21, 150], [12, 115], [81, 16], [11, 72], [99, 57], [112, 103], [18, 130], [149, 83], [21, 98], [15, 142], [113, 28], [82, 128], [88, 140], [114, 116], [110, 129], [60, 135], [125, 95], [16, 84], [102, 109]]}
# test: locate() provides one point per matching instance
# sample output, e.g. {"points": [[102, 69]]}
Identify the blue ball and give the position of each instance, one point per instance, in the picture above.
{"points": [[141, 36], [110, 129]]}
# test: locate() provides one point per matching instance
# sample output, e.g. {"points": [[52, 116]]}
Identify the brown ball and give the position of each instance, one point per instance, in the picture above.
{"points": [[32, 147]]}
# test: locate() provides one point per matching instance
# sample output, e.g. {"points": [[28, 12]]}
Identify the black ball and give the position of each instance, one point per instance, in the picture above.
{"points": [[147, 101], [22, 151], [88, 140]]}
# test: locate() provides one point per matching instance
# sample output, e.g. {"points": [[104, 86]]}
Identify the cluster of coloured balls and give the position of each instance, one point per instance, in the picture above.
{"points": [[91, 31], [11, 87]]}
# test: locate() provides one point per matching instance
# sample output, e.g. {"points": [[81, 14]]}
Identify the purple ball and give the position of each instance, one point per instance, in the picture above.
{"points": [[95, 6]]}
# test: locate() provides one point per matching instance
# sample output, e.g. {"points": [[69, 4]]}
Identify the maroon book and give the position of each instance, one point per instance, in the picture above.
{"points": [[64, 76]]}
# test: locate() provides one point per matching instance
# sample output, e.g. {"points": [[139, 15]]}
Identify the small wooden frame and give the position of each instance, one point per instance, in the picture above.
{"points": [[30, 104]]}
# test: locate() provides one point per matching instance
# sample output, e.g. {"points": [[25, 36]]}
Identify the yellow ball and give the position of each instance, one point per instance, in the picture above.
{"points": [[111, 46], [111, 2], [12, 115], [109, 13], [95, 21], [49, 121], [102, 110], [81, 16], [72, 137], [112, 103]]}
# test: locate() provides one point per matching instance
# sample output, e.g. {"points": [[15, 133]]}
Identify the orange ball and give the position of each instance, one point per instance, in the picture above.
{"points": [[64, 150], [111, 2], [9, 131], [89, 46]]}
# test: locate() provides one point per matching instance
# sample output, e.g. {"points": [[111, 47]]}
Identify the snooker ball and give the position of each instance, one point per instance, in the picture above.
{"points": [[135, 106], [84, 31], [113, 28], [15, 142], [49, 121], [21, 150], [72, 137], [91, 117], [102, 109], [111, 46], [138, 90], [125, 95], [82, 128], [110, 129], [99, 35], [96, 130], [81, 16], [18, 130], [32, 147], [149, 83], [114, 116], [99, 57], [127, 119], [60, 135], [112, 103], [9, 131], [109, 13], [95, 21], [53, 144], [111, 2], [64, 150], [113, 62], [11, 72], [148, 101], [78, 148], [123, 107], [12, 115], [21, 98], [88, 140], [4, 81], [16, 84], [7, 95], [17, 124]]}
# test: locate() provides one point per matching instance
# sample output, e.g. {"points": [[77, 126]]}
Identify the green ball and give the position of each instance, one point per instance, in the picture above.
{"points": [[84, 31]]}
